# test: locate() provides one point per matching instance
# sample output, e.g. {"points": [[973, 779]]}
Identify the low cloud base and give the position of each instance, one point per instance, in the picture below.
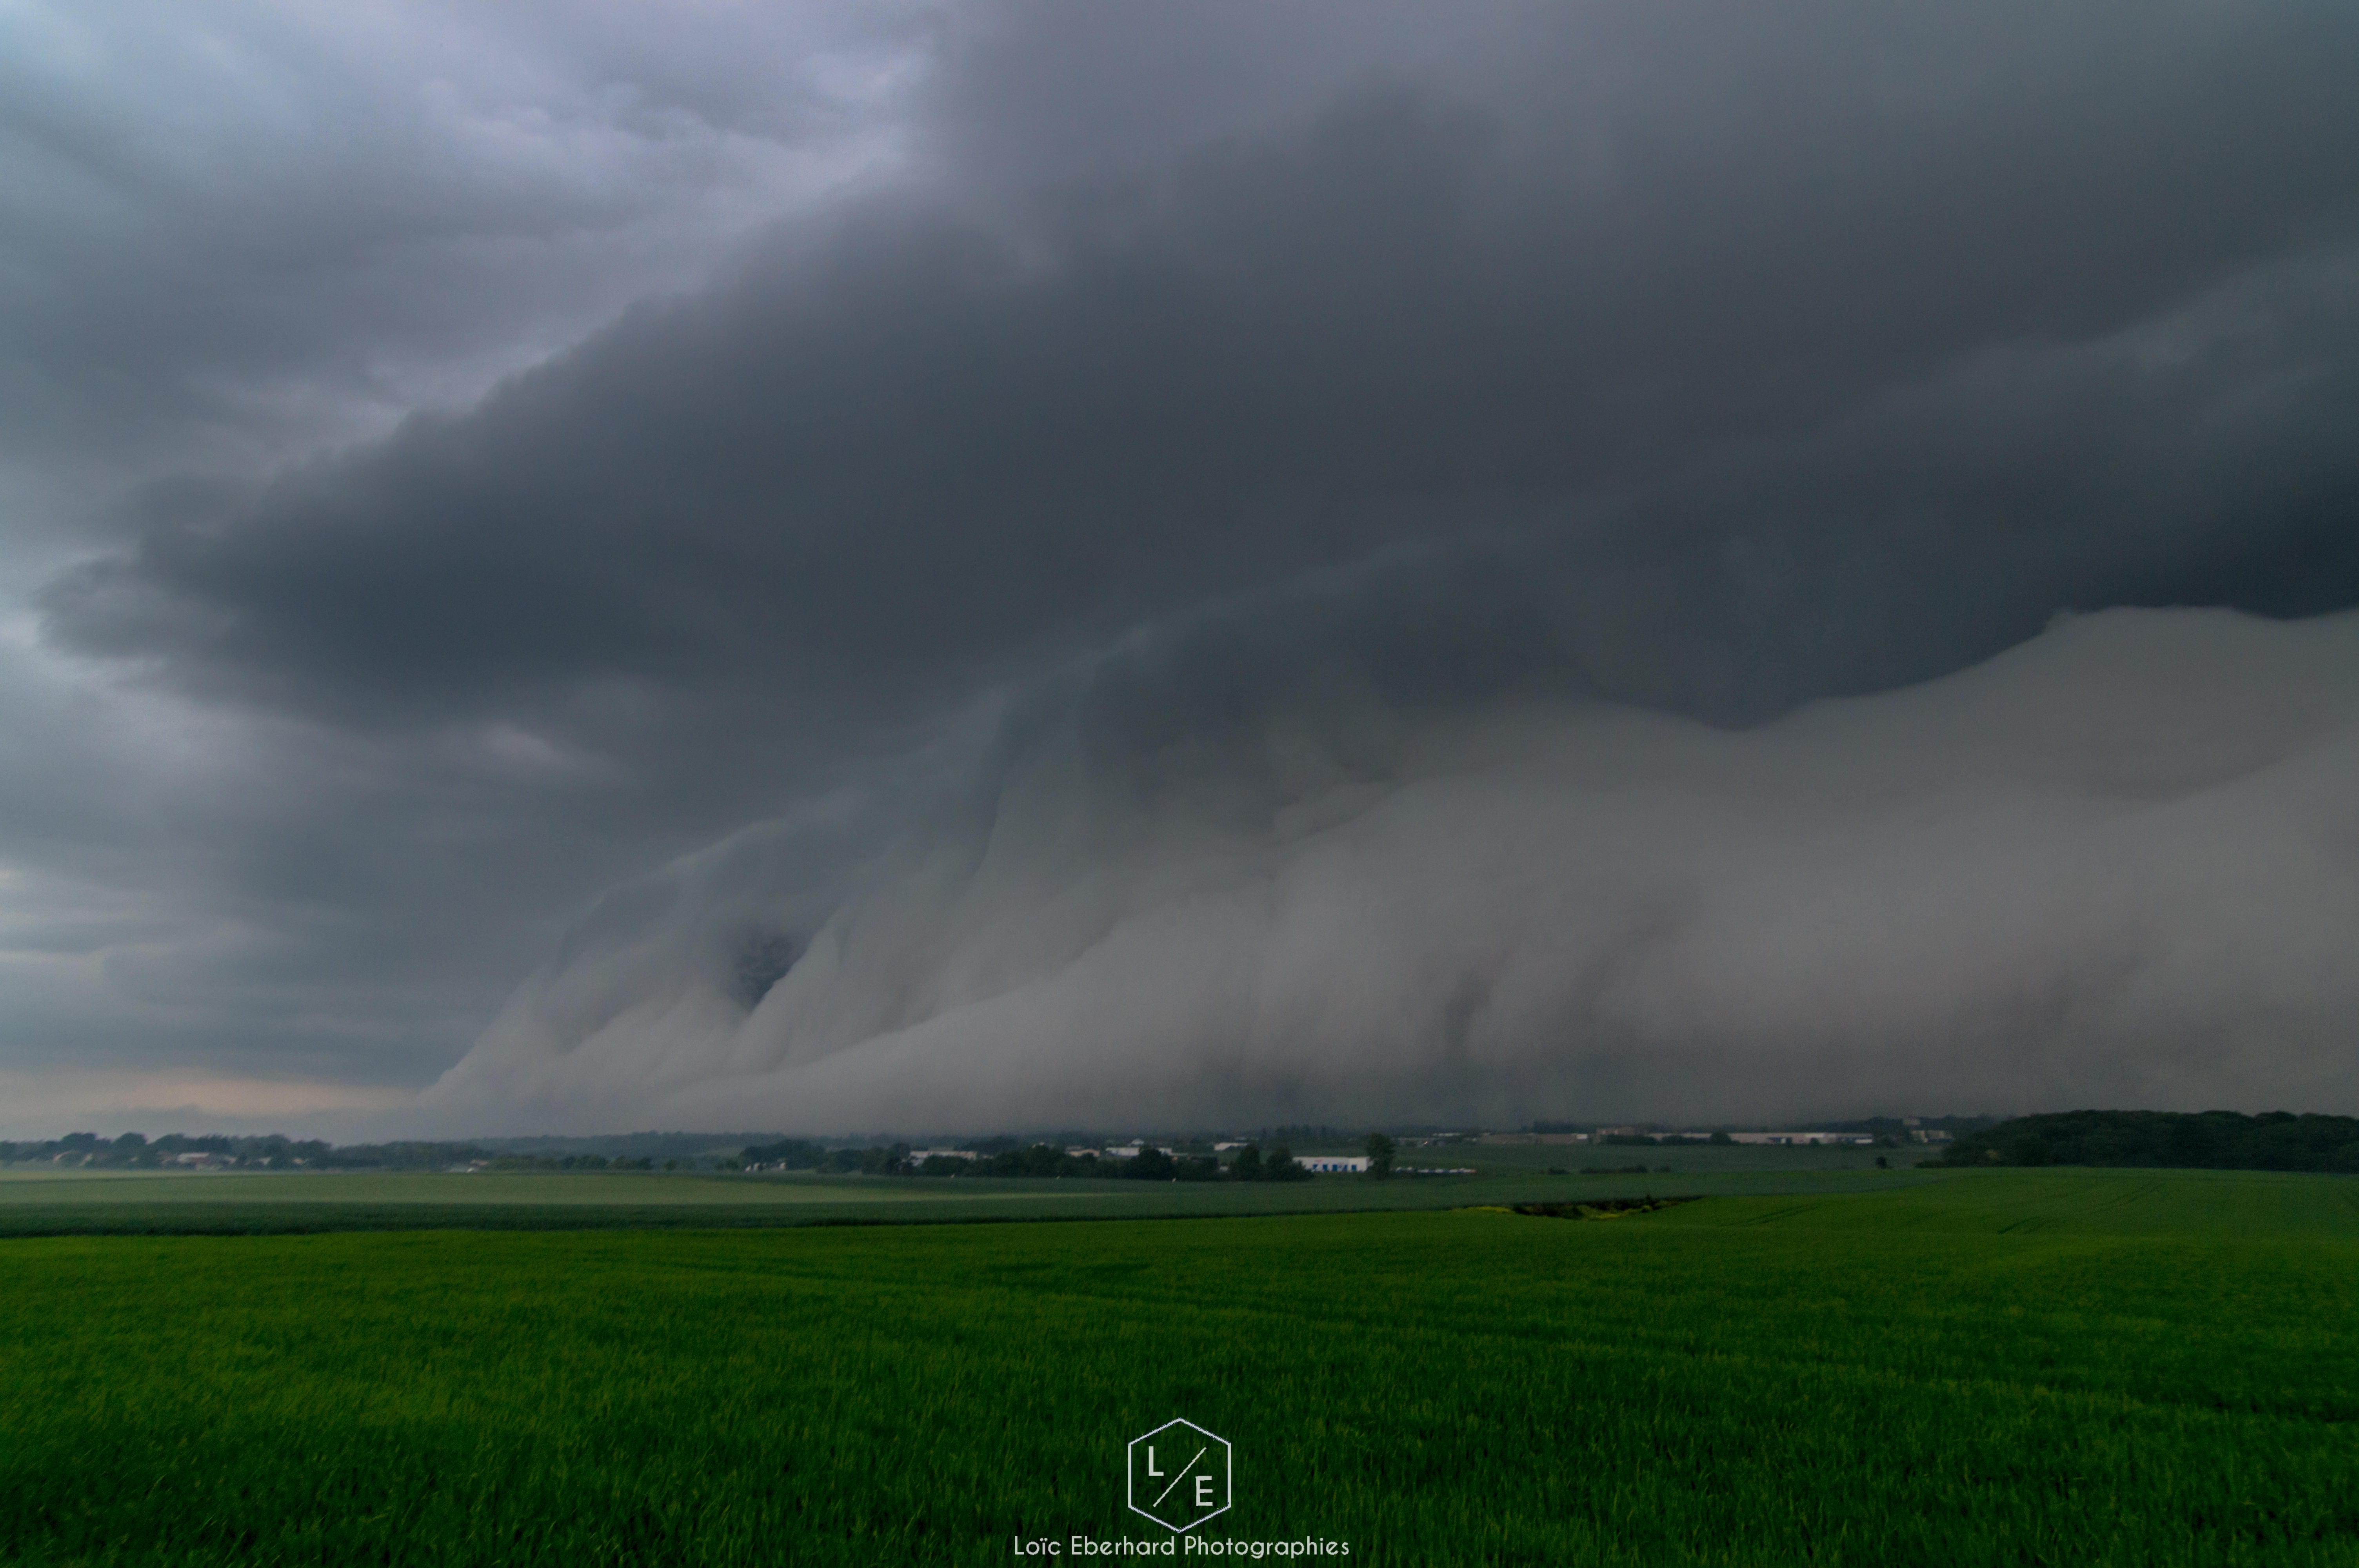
{"points": [[2117, 865]]}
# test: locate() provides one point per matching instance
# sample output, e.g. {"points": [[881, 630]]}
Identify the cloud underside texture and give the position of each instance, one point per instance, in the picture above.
{"points": [[1261, 570], [2117, 865], [1913, 341]]}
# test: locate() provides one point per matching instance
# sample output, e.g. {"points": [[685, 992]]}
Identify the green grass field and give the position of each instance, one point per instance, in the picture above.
{"points": [[2051, 1366], [44, 1203]]}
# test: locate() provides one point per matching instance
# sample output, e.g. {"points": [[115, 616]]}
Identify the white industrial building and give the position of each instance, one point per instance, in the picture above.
{"points": [[1803, 1137], [1333, 1164]]}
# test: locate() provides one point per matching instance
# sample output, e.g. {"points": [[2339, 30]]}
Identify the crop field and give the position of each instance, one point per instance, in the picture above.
{"points": [[100, 1202], [2018, 1366]]}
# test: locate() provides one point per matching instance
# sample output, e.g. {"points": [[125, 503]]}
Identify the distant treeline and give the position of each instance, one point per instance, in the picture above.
{"points": [[270, 1152], [1666, 1140], [994, 1157], [1149, 1165], [2212, 1140], [1889, 1132], [278, 1152]]}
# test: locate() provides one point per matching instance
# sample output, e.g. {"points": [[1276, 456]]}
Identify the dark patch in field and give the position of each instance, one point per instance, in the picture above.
{"points": [[1599, 1208]]}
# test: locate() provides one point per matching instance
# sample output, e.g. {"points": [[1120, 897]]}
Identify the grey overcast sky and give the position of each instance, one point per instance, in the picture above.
{"points": [[948, 567]]}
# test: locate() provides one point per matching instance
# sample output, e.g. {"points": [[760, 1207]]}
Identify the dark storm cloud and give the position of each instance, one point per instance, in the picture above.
{"points": [[936, 439], [236, 235], [1210, 425]]}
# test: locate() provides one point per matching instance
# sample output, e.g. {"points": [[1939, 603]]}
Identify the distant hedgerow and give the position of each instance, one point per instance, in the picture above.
{"points": [[2212, 1140]]}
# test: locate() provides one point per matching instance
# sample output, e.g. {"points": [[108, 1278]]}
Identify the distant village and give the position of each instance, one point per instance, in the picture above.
{"points": [[1281, 1153]]}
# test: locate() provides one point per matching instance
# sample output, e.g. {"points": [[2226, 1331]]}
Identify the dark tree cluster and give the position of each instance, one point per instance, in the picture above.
{"points": [[789, 1153], [1278, 1166], [273, 1152], [2212, 1140], [1149, 1165], [800, 1154]]}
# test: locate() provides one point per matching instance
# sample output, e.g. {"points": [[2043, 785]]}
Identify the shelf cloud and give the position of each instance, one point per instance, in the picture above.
{"points": [[2114, 865], [1035, 564]]}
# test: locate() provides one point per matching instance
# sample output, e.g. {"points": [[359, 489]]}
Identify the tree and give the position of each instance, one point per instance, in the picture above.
{"points": [[1038, 1160], [1247, 1167], [1149, 1165], [1380, 1156], [893, 1162], [1281, 1166]]}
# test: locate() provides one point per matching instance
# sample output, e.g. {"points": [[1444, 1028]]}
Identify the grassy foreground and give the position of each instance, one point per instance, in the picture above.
{"points": [[2059, 1367]]}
